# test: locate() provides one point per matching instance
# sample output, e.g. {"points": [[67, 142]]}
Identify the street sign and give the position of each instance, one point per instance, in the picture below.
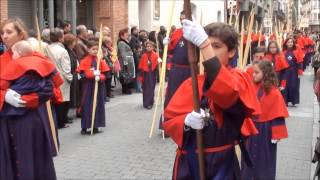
{"points": [[267, 22]]}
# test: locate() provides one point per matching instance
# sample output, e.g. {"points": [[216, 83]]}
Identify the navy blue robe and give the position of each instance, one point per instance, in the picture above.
{"points": [[180, 69], [25, 136], [291, 93], [87, 101], [262, 152], [148, 86]]}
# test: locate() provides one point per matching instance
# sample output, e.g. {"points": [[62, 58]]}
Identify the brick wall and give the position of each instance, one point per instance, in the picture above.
{"points": [[3, 9], [111, 13]]}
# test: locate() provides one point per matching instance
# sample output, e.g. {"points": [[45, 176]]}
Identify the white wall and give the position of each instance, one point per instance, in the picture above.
{"points": [[141, 12]]}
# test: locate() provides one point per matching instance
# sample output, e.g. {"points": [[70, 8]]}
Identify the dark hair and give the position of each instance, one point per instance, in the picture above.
{"points": [[269, 75], [122, 32], [285, 47], [273, 42], [69, 39], [259, 50], [65, 23], [93, 42], [225, 33], [152, 36], [56, 34], [133, 28]]}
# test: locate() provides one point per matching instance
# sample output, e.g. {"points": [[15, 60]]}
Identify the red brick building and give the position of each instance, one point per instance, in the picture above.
{"points": [[92, 13]]}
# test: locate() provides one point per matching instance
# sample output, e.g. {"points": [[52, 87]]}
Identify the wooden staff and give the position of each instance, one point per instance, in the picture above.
{"points": [[240, 49], [95, 94], [260, 34], [196, 103], [163, 70], [248, 45], [236, 25], [48, 104], [162, 87]]}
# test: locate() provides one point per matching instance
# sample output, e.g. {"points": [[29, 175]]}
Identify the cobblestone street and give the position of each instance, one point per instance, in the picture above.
{"points": [[124, 151]]}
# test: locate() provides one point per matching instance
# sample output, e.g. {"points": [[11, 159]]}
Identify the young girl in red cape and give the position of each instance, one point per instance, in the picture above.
{"points": [[88, 70], [294, 57], [278, 61], [227, 103], [147, 74], [262, 148]]}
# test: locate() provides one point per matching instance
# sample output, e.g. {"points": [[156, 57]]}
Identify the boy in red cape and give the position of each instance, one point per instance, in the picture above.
{"points": [[278, 61], [89, 72], [227, 103], [294, 57], [270, 124], [258, 55], [147, 74], [26, 83]]}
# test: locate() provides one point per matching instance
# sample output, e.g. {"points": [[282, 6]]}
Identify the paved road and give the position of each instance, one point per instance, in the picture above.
{"points": [[124, 151]]}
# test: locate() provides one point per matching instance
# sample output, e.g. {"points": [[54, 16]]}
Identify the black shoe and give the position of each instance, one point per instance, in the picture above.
{"points": [[83, 131], [149, 107], [110, 96], [96, 130], [107, 99]]}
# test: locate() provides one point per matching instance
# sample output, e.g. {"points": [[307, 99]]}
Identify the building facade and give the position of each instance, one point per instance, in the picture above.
{"points": [[116, 14], [310, 9]]}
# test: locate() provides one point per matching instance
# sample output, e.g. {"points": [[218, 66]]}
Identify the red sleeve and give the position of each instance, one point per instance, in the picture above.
{"points": [[32, 100], [283, 83], [89, 74], [280, 63], [175, 38], [279, 132], [230, 86], [2, 96], [177, 109], [299, 54], [57, 97], [102, 77], [248, 128], [279, 129]]}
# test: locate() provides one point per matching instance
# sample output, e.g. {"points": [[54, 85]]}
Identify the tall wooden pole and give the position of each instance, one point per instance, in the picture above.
{"points": [[96, 83], [196, 104], [48, 104]]}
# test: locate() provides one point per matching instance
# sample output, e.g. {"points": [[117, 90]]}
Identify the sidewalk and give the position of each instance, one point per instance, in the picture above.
{"points": [[295, 153]]}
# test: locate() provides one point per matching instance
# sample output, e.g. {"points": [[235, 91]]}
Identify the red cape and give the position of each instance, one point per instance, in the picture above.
{"points": [[86, 64], [143, 64], [280, 61], [272, 105], [301, 42], [298, 53], [175, 38], [36, 62], [182, 102]]}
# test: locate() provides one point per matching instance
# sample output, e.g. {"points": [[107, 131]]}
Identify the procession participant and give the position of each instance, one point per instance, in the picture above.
{"points": [[294, 58], [147, 74], [258, 55], [309, 49], [25, 86], [227, 103], [270, 124], [108, 49], [180, 69], [89, 72], [278, 61]]}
